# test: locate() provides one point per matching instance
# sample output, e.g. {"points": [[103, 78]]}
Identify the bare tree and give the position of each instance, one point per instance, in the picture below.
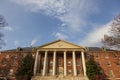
{"points": [[3, 23], [113, 40]]}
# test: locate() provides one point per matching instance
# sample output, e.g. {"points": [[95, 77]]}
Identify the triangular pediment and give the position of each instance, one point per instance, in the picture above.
{"points": [[60, 44]]}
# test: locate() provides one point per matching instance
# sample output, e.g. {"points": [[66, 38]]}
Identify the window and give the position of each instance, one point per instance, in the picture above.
{"points": [[41, 71], [11, 72], [33, 55], [51, 63], [78, 71], [24, 55], [42, 62], [4, 62], [98, 63], [118, 63], [106, 56], [69, 71], [97, 55], [114, 55], [101, 72], [50, 71], [87, 56], [78, 63], [59, 63], [111, 73], [1, 71], [7, 56], [108, 63], [13, 63], [103, 48], [16, 56], [69, 63]]}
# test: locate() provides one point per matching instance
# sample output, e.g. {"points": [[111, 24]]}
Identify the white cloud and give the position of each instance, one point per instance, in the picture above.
{"points": [[8, 28], [94, 38], [59, 35], [73, 13], [33, 42]]}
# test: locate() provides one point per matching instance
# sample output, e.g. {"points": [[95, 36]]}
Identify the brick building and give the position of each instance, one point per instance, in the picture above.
{"points": [[62, 60]]}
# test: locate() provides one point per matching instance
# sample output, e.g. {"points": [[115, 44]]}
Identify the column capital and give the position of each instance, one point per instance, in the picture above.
{"points": [[73, 51], [82, 50], [55, 51]]}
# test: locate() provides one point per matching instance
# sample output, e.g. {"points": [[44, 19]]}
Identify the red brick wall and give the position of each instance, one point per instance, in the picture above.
{"points": [[11, 61], [103, 62], [101, 58]]}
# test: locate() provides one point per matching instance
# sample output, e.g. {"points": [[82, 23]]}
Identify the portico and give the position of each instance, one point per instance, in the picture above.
{"points": [[60, 58]]}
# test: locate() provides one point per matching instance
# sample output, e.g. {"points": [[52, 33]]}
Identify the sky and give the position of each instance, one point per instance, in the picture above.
{"points": [[37, 22]]}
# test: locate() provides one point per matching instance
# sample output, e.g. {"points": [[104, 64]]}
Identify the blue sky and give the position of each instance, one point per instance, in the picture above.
{"points": [[36, 22]]}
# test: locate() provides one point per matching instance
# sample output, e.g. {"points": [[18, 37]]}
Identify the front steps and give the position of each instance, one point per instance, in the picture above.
{"points": [[58, 78]]}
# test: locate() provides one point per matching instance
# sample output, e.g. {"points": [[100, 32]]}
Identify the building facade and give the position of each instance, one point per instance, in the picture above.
{"points": [[62, 60]]}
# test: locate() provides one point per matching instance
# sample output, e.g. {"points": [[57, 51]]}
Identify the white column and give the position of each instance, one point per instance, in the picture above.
{"points": [[54, 63], [35, 64], [83, 63], [74, 63], [38, 66], [45, 64], [65, 64]]}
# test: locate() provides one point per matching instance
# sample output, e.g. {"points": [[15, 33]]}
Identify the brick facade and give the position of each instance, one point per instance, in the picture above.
{"points": [[9, 62], [107, 60]]}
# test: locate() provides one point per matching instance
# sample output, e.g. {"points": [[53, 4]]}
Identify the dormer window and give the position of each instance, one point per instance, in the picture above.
{"points": [[103, 48], [19, 49], [34, 49], [86, 49]]}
